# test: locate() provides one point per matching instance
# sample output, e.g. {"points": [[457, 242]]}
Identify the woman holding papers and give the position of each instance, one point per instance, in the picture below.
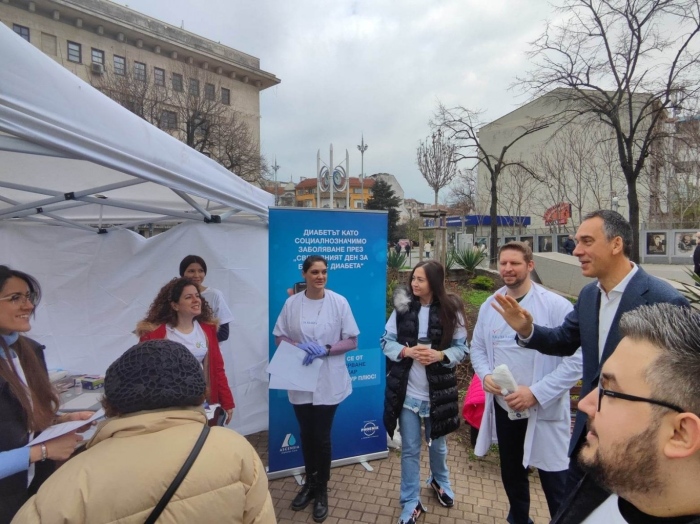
{"points": [[180, 314], [424, 340], [320, 323], [28, 402]]}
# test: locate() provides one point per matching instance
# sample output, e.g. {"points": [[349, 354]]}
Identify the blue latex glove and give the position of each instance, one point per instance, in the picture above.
{"points": [[306, 346], [316, 350]]}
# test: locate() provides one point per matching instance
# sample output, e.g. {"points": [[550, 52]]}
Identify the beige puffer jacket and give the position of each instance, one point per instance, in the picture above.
{"points": [[131, 461]]}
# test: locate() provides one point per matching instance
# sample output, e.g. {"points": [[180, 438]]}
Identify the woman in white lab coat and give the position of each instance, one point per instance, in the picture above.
{"points": [[321, 324]]}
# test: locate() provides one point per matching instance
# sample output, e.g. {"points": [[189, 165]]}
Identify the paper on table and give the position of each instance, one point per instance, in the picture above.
{"points": [[82, 402], [66, 427], [287, 364]]}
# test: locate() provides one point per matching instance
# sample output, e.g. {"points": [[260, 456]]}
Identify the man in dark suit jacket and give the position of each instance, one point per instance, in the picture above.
{"points": [[604, 245]]}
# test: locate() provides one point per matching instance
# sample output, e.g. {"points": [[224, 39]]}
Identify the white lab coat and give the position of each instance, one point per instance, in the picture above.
{"points": [[549, 426], [336, 323]]}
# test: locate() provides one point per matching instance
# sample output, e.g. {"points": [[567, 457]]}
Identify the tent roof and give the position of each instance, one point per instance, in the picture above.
{"points": [[71, 155]]}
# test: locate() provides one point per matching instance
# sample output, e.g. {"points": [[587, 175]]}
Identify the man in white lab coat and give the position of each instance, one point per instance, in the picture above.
{"points": [[540, 440]]}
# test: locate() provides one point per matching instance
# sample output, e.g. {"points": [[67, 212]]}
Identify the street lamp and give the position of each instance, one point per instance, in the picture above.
{"points": [[275, 167], [362, 147]]}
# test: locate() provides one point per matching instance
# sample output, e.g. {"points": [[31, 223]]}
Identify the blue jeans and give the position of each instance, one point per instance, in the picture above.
{"points": [[410, 428]]}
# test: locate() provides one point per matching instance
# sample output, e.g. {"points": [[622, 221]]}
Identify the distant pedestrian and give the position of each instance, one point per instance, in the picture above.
{"points": [[569, 245], [397, 248], [428, 249], [407, 247]]}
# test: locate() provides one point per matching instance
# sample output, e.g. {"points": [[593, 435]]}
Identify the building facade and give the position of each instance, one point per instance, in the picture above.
{"points": [[150, 67], [307, 190], [576, 163]]}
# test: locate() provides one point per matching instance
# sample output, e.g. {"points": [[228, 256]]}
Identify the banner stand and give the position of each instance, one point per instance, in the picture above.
{"points": [[354, 243]]}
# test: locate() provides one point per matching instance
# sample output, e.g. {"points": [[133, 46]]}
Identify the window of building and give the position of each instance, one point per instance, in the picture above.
{"points": [[75, 52], [159, 76], [225, 96], [21, 31], [209, 91], [194, 87], [119, 65], [97, 56], [169, 120], [49, 44], [140, 71], [177, 82]]}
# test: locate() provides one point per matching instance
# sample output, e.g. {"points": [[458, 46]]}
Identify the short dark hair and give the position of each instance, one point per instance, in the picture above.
{"points": [[523, 247], [673, 376], [310, 262], [614, 225], [192, 259]]}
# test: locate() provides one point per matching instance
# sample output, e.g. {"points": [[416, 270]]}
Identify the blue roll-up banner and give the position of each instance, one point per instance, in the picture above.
{"points": [[355, 245]]}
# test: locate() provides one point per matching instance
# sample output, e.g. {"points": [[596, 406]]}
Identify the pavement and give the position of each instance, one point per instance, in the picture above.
{"points": [[372, 497], [358, 496]]}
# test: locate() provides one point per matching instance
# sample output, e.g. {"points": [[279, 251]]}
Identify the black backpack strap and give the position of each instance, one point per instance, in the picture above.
{"points": [[179, 477]]}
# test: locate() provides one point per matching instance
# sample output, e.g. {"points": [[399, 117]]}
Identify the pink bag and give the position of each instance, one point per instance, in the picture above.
{"points": [[474, 400]]}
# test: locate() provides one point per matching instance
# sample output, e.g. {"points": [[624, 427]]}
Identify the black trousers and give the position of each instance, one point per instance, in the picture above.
{"points": [[315, 423], [511, 439]]}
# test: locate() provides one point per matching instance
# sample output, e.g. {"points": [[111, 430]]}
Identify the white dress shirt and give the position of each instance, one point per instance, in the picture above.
{"points": [[609, 302]]}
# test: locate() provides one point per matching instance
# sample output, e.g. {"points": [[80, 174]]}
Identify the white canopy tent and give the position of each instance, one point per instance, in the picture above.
{"points": [[71, 157]]}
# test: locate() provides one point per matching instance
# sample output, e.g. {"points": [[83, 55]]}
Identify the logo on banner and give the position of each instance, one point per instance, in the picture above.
{"points": [[289, 445], [370, 429]]}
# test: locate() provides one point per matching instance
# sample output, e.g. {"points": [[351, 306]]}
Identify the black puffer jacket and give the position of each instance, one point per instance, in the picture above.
{"points": [[442, 383]]}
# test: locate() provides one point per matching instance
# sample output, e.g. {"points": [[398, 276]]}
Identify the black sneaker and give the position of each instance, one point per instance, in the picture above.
{"points": [[443, 498], [414, 516]]}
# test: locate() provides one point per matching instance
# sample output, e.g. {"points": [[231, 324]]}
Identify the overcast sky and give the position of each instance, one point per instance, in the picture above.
{"points": [[377, 67]]}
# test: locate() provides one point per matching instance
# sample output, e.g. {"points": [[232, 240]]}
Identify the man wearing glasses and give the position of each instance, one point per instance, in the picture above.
{"points": [[643, 442], [604, 247]]}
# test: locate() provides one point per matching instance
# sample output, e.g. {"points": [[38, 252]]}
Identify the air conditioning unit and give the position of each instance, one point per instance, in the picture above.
{"points": [[97, 69]]}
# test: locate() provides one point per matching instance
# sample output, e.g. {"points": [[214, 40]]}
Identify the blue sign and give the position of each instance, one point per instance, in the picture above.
{"points": [[484, 220], [354, 244]]}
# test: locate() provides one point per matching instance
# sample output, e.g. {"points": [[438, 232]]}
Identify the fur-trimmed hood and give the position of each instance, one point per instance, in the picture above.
{"points": [[402, 298]]}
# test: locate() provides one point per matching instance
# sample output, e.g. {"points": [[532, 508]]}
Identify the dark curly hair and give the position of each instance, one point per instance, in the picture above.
{"points": [[162, 312]]}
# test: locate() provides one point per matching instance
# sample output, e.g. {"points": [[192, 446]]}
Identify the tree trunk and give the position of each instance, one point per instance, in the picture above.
{"points": [[493, 258], [633, 202]]}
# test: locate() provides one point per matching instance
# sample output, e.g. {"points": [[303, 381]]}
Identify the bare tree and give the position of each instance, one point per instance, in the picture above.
{"points": [[461, 125], [624, 63], [517, 190], [192, 108], [436, 161], [462, 195]]}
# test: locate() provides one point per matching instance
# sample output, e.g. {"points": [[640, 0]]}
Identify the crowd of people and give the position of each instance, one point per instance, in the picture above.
{"points": [[632, 457]]}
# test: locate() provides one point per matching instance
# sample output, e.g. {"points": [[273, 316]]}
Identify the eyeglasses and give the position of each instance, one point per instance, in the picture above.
{"points": [[623, 396], [17, 299]]}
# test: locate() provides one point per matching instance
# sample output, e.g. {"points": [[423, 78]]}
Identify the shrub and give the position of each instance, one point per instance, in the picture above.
{"points": [[482, 282], [469, 259], [395, 260], [476, 297], [451, 261]]}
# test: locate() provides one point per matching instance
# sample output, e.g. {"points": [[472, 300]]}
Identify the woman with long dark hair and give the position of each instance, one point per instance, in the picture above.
{"points": [[421, 383], [195, 268], [320, 323], [28, 402], [181, 314]]}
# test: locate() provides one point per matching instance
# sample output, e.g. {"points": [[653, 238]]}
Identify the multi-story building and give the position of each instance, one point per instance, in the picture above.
{"points": [[306, 192], [576, 163], [150, 67]]}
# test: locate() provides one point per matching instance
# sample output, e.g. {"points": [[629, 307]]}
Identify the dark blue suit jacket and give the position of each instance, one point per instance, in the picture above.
{"points": [[580, 328]]}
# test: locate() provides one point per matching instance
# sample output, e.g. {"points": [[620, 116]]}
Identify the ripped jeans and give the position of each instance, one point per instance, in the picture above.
{"points": [[412, 413]]}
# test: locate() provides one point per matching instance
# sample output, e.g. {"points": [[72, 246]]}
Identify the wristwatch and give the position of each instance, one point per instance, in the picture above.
{"points": [[328, 349]]}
